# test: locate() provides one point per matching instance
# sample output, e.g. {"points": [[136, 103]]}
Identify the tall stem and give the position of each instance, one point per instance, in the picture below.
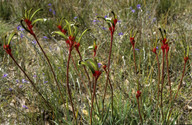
{"points": [[138, 84], [139, 111], [168, 77], [54, 76], [108, 70], [111, 93], [85, 70], [93, 95], [68, 88], [158, 79], [162, 84], [32, 83], [179, 87]]}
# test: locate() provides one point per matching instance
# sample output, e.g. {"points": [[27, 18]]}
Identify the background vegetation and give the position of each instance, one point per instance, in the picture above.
{"points": [[19, 104]]}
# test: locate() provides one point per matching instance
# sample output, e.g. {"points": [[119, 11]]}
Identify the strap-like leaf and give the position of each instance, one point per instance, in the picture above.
{"points": [[161, 33], [69, 27], [92, 64], [101, 18], [36, 21], [181, 42], [28, 13], [87, 64], [61, 34], [83, 34], [35, 13], [114, 15], [11, 37]]}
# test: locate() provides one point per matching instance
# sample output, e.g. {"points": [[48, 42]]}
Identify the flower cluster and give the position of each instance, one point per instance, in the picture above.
{"points": [[62, 29], [132, 40], [138, 94], [7, 49], [29, 25], [165, 45]]}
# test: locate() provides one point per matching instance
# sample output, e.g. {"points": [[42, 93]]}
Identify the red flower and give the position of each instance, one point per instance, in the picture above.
{"points": [[115, 22], [132, 41], [138, 94], [72, 38], [164, 41], [165, 45], [96, 74], [29, 25], [59, 27], [64, 31], [186, 59], [154, 50], [8, 49]]}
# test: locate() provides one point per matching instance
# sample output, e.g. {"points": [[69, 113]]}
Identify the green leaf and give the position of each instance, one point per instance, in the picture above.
{"points": [[92, 64], [101, 18], [182, 45], [161, 33], [61, 34], [35, 13], [36, 21], [83, 34], [11, 37], [115, 17], [28, 13], [69, 27]]}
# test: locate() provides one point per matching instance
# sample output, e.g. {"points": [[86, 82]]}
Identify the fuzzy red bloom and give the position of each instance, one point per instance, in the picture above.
{"points": [[59, 27], [164, 41], [110, 28], [68, 42], [138, 94], [29, 25], [186, 59], [132, 40], [96, 74], [63, 31], [165, 45], [72, 38], [154, 50], [115, 21], [8, 49]]}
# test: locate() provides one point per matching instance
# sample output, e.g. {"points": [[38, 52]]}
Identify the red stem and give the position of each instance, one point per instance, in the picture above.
{"points": [[54, 76], [179, 86], [158, 78], [108, 69], [162, 83], [68, 88], [139, 111], [168, 77], [85, 70], [93, 95], [32, 83]]}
